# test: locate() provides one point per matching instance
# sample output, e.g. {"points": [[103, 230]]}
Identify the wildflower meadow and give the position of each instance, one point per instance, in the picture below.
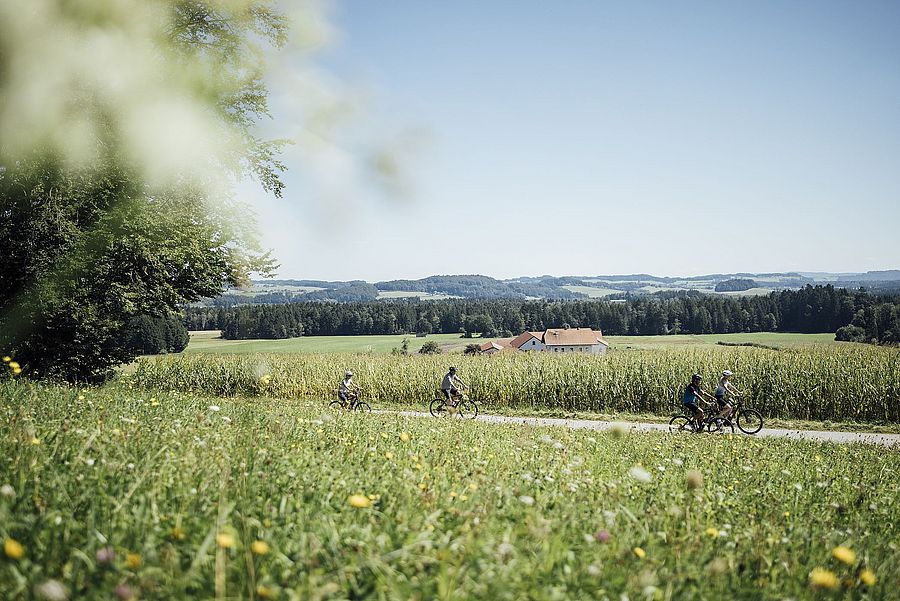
{"points": [[113, 493]]}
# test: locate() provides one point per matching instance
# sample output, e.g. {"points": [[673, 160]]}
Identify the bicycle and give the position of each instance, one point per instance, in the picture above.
{"points": [[351, 404], [749, 421], [682, 422], [465, 407]]}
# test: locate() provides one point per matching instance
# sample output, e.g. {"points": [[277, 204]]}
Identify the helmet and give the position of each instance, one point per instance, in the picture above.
{"points": [[452, 369], [727, 373], [348, 374], [696, 377]]}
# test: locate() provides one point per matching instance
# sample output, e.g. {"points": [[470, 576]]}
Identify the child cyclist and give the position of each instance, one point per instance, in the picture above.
{"points": [[725, 387], [691, 400], [348, 390]]}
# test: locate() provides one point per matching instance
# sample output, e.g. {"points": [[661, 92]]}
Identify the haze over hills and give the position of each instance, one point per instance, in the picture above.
{"points": [[549, 287]]}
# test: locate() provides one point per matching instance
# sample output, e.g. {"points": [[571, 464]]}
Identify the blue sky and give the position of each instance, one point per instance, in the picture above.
{"points": [[593, 138]]}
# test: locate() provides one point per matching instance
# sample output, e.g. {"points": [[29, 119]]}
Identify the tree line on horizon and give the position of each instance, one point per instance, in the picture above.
{"points": [[853, 315]]}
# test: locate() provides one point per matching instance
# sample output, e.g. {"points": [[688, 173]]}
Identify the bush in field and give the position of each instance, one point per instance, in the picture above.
{"points": [[850, 334], [430, 348]]}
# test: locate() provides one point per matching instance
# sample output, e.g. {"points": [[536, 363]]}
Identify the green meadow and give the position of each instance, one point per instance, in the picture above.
{"points": [[118, 493]]}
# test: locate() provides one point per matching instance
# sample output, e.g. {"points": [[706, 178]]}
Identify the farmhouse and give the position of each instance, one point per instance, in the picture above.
{"points": [[555, 340], [490, 347], [528, 341], [575, 340]]}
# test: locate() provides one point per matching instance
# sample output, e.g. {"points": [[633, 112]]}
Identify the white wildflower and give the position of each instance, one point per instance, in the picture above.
{"points": [[640, 474]]}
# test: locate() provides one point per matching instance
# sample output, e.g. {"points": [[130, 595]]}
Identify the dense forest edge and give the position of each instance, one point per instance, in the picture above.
{"points": [[857, 316]]}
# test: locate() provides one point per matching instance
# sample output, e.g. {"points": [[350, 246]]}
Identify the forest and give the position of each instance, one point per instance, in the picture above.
{"points": [[859, 315]]}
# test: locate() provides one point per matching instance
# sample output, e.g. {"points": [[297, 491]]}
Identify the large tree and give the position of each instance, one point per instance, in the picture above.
{"points": [[114, 189]]}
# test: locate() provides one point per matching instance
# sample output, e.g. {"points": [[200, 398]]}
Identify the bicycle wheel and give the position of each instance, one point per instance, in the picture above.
{"points": [[336, 405], [681, 423], [467, 409], [361, 406], [719, 424], [438, 408], [750, 421]]}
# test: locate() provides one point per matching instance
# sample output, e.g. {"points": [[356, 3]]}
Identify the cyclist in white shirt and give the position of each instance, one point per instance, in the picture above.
{"points": [[724, 388], [348, 389]]}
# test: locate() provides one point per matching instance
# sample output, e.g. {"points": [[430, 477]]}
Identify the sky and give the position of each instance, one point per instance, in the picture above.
{"points": [[586, 137]]}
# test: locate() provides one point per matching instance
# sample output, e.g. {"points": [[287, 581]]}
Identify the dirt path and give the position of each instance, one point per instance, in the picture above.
{"points": [[887, 440]]}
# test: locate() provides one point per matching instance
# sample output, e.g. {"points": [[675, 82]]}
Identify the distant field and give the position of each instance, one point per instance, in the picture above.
{"points": [[412, 294], [592, 292], [209, 342], [751, 292], [706, 340], [262, 289]]}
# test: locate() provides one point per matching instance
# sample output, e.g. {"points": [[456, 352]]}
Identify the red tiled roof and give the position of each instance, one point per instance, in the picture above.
{"points": [[523, 338], [573, 336]]}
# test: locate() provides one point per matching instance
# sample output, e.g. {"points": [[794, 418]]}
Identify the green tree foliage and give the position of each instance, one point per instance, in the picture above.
{"points": [[147, 335], [111, 220], [736, 285], [811, 309]]}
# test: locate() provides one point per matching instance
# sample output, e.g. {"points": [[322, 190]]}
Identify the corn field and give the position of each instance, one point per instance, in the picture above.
{"points": [[860, 383]]}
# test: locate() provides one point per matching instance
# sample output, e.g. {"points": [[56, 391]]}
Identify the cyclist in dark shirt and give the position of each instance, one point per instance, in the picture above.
{"points": [[691, 399]]}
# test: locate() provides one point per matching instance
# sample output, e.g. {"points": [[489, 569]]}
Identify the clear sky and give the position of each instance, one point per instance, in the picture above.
{"points": [[588, 137]]}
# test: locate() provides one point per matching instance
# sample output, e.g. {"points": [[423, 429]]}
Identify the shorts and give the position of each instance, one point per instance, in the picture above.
{"points": [[720, 400], [450, 393], [694, 409], [342, 395]]}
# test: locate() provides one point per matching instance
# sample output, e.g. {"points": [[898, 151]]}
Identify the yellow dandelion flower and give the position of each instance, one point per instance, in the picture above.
{"points": [[712, 532], [13, 549], [868, 577], [473, 487], [35, 441], [264, 592], [388, 455], [14, 365], [133, 560], [360, 501], [820, 578], [17, 370], [841, 553], [7, 358], [404, 437], [463, 497], [225, 540], [640, 552], [260, 547]]}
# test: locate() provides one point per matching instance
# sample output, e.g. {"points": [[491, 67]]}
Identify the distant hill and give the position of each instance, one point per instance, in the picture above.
{"points": [[548, 287]]}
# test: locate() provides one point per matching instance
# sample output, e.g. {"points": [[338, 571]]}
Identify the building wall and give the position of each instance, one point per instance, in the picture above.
{"points": [[594, 349], [532, 345]]}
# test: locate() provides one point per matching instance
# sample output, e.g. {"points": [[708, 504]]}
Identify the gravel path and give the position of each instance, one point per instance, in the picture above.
{"points": [[887, 440]]}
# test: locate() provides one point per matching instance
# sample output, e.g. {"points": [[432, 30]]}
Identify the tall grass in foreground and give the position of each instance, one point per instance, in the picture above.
{"points": [[817, 383], [107, 494]]}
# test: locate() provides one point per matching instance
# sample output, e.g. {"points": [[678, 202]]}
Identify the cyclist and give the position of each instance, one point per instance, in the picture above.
{"points": [[448, 386], [726, 387], [348, 390], [692, 396]]}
